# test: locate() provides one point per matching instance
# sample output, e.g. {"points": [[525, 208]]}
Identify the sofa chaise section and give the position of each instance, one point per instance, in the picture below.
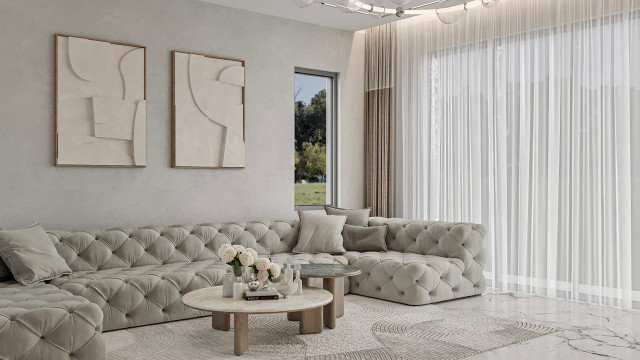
{"points": [[43, 322], [427, 262]]}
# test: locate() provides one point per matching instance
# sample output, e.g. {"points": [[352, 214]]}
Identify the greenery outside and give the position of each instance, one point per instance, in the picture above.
{"points": [[311, 150], [311, 194]]}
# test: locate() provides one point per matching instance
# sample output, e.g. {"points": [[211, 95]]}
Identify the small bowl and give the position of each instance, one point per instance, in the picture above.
{"points": [[287, 290]]}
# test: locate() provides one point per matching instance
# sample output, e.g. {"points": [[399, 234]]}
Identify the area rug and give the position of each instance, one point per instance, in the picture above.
{"points": [[370, 329]]}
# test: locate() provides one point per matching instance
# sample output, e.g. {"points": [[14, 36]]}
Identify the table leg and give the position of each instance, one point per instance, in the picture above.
{"points": [[221, 321], [332, 309], [240, 333], [311, 321], [295, 316], [338, 297]]}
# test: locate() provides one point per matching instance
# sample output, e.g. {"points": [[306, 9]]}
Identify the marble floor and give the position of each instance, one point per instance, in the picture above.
{"points": [[585, 331]]}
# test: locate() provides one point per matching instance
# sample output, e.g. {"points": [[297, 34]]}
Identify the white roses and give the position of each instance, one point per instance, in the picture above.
{"points": [[264, 269], [275, 270], [237, 255], [262, 275], [262, 264]]}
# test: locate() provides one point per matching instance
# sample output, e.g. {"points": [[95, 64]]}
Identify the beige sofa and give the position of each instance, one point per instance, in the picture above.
{"points": [[136, 276]]}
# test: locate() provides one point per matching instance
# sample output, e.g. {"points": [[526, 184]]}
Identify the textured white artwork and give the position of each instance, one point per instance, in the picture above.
{"points": [[208, 100], [101, 112]]}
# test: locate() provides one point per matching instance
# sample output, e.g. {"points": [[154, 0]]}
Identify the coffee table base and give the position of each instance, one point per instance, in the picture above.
{"points": [[240, 333], [310, 323], [221, 321], [333, 310]]}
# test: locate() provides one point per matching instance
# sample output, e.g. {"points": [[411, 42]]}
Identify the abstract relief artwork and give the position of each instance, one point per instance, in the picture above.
{"points": [[101, 110], [208, 112]]}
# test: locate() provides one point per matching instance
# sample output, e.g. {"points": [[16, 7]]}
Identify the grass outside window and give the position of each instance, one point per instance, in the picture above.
{"points": [[311, 194]]}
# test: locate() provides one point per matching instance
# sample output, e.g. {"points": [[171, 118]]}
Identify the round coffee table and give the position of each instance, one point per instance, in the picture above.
{"points": [[210, 299], [332, 276]]}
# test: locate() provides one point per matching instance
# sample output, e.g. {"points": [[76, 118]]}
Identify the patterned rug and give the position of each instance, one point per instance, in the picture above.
{"points": [[370, 329]]}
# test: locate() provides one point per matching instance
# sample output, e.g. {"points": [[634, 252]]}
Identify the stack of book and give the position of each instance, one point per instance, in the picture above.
{"points": [[260, 295]]}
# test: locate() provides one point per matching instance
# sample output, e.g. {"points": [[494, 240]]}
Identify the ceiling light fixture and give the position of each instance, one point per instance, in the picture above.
{"points": [[447, 13]]}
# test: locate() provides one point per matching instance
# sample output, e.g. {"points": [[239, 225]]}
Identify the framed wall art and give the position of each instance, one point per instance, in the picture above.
{"points": [[208, 111], [101, 110]]}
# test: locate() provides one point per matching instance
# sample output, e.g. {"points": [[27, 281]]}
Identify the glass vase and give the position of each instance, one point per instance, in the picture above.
{"points": [[265, 285], [238, 286], [238, 271]]}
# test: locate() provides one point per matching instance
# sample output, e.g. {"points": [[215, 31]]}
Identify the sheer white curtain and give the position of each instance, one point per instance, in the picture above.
{"points": [[524, 118]]}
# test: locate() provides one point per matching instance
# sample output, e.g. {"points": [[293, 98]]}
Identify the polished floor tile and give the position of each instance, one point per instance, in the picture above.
{"points": [[585, 331]]}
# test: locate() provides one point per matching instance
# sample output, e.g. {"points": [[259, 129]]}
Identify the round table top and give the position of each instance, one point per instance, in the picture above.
{"points": [[327, 270], [210, 299]]}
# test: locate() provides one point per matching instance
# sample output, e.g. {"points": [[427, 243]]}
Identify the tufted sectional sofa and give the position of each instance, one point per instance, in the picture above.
{"points": [[128, 277]]}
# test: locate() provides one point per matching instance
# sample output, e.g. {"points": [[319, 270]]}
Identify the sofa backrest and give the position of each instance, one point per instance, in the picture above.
{"points": [[461, 240], [125, 247]]}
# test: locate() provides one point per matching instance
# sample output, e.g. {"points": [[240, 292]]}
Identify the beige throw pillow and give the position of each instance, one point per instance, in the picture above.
{"points": [[361, 238], [358, 217], [320, 233], [31, 256]]}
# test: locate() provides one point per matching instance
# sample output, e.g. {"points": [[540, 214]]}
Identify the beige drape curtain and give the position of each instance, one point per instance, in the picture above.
{"points": [[380, 52]]}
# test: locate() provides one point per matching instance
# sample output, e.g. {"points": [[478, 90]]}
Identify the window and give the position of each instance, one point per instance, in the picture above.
{"points": [[315, 134]]}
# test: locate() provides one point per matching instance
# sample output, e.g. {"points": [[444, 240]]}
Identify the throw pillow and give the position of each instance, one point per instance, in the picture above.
{"points": [[31, 256], [5, 273], [320, 233], [358, 217], [365, 238]]}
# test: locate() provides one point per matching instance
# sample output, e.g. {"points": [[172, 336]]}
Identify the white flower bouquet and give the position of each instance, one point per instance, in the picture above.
{"points": [[237, 256], [264, 269]]}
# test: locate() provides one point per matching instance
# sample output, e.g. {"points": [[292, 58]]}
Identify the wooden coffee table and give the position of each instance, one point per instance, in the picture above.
{"points": [[332, 276], [210, 299]]}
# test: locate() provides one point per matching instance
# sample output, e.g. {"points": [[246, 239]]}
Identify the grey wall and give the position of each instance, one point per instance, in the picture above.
{"points": [[33, 189]]}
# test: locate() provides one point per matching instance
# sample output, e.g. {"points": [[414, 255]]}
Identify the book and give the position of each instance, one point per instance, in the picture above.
{"points": [[260, 295]]}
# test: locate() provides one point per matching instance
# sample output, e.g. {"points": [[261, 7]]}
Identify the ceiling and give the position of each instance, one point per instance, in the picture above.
{"points": [[316, 13]]}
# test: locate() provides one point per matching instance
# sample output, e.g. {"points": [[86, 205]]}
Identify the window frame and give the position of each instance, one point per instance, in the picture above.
{"points": [[332, 136]]}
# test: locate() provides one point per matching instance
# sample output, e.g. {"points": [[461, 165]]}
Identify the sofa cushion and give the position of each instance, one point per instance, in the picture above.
{"points": [[320, 233], [40, 321], [30, 255], [145, 294], [407, 278], [356, 217], [364, 238], [126, 247]]}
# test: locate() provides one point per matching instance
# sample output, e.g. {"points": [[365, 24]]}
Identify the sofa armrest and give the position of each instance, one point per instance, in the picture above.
{"points": [[43, 322], [463, 241]]}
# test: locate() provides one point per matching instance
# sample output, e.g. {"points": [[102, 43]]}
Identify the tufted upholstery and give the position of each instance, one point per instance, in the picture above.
{"points": [[136, 276], [43, 322], [448, 240], [407, 278], [158, 245], [145, 294]]}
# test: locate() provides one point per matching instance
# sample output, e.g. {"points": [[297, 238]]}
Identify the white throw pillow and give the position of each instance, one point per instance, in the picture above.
{"points": [[320, 233]]}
